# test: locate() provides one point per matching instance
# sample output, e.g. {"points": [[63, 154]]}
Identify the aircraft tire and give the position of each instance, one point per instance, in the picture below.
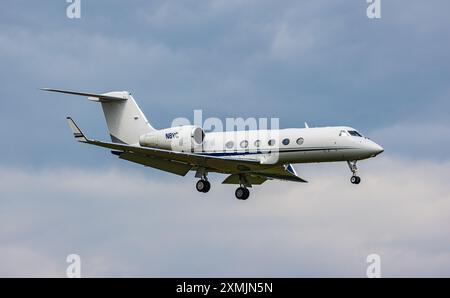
{"points": [[203, 186], [355, 180], [242, 193]]}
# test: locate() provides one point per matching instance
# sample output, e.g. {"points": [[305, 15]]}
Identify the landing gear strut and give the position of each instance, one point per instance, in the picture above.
{"points": [[354, 179]]}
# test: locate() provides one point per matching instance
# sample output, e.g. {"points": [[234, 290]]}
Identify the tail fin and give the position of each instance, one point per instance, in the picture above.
{"points": [[125, 120]]}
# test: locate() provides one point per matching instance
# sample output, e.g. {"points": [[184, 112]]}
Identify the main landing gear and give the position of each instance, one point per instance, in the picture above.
{"points": [[242, 193], [354, 179], [203, 185]]}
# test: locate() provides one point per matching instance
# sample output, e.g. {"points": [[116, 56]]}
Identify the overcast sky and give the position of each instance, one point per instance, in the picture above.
{"points": [[320, 61]]}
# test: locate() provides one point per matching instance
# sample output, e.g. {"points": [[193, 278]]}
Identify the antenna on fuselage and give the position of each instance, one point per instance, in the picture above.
{"points": [[306, 125]]}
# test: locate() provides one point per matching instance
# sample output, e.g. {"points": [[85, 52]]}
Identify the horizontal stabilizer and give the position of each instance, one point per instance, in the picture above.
{"points": [[91, 96]]}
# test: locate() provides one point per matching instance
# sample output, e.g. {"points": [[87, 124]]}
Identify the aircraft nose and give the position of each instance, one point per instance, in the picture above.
{"points": [[375, 149]]}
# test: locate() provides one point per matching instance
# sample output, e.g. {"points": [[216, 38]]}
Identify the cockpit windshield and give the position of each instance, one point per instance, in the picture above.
{"points": [[354, 133], [349, 133]]}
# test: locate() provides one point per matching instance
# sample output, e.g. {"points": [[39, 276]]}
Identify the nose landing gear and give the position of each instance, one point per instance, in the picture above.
{"points": [[354, 179]]}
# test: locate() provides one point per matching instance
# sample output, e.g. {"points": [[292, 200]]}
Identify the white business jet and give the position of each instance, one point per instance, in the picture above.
{"points": [[248, 157]]}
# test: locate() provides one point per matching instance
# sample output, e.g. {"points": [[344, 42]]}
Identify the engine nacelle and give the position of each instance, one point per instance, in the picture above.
{"points": [[182, 138]]}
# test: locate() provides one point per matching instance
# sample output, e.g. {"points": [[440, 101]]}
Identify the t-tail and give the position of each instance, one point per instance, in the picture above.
{"points": [[125, 120]]}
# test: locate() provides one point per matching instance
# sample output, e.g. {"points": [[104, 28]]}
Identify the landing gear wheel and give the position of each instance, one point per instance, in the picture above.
{"points": [[207, 186], [247, 194], [355, 179], [242, 193], [203, 186]]}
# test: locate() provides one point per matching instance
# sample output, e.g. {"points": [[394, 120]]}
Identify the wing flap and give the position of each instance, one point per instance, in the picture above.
{"points": [[251, 179], [284, 172], [161, 164], [283, 177]]}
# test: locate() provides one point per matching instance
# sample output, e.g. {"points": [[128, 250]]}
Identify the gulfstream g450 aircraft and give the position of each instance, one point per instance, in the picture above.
{"points": [[248, 157]]}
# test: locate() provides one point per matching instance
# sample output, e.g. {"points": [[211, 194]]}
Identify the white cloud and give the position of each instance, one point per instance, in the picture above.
{"points": [[128, 224]]}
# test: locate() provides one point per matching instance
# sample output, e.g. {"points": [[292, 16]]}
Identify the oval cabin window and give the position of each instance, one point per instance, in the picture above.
{"points": [[244, 144]]}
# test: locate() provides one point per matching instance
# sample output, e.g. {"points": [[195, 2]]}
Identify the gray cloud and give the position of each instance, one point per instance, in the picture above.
{"points": [[318, 61], [417, 140]]}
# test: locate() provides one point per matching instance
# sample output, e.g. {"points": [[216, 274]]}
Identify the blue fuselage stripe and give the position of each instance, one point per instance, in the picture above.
{"points": [[233, 153]]}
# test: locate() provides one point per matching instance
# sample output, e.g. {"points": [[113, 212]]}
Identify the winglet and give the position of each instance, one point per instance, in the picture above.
{"points": [[77, 133]]}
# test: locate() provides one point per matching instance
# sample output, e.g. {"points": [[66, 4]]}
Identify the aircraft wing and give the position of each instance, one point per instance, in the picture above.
{"points": [[175, 162], [181, 163]]}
